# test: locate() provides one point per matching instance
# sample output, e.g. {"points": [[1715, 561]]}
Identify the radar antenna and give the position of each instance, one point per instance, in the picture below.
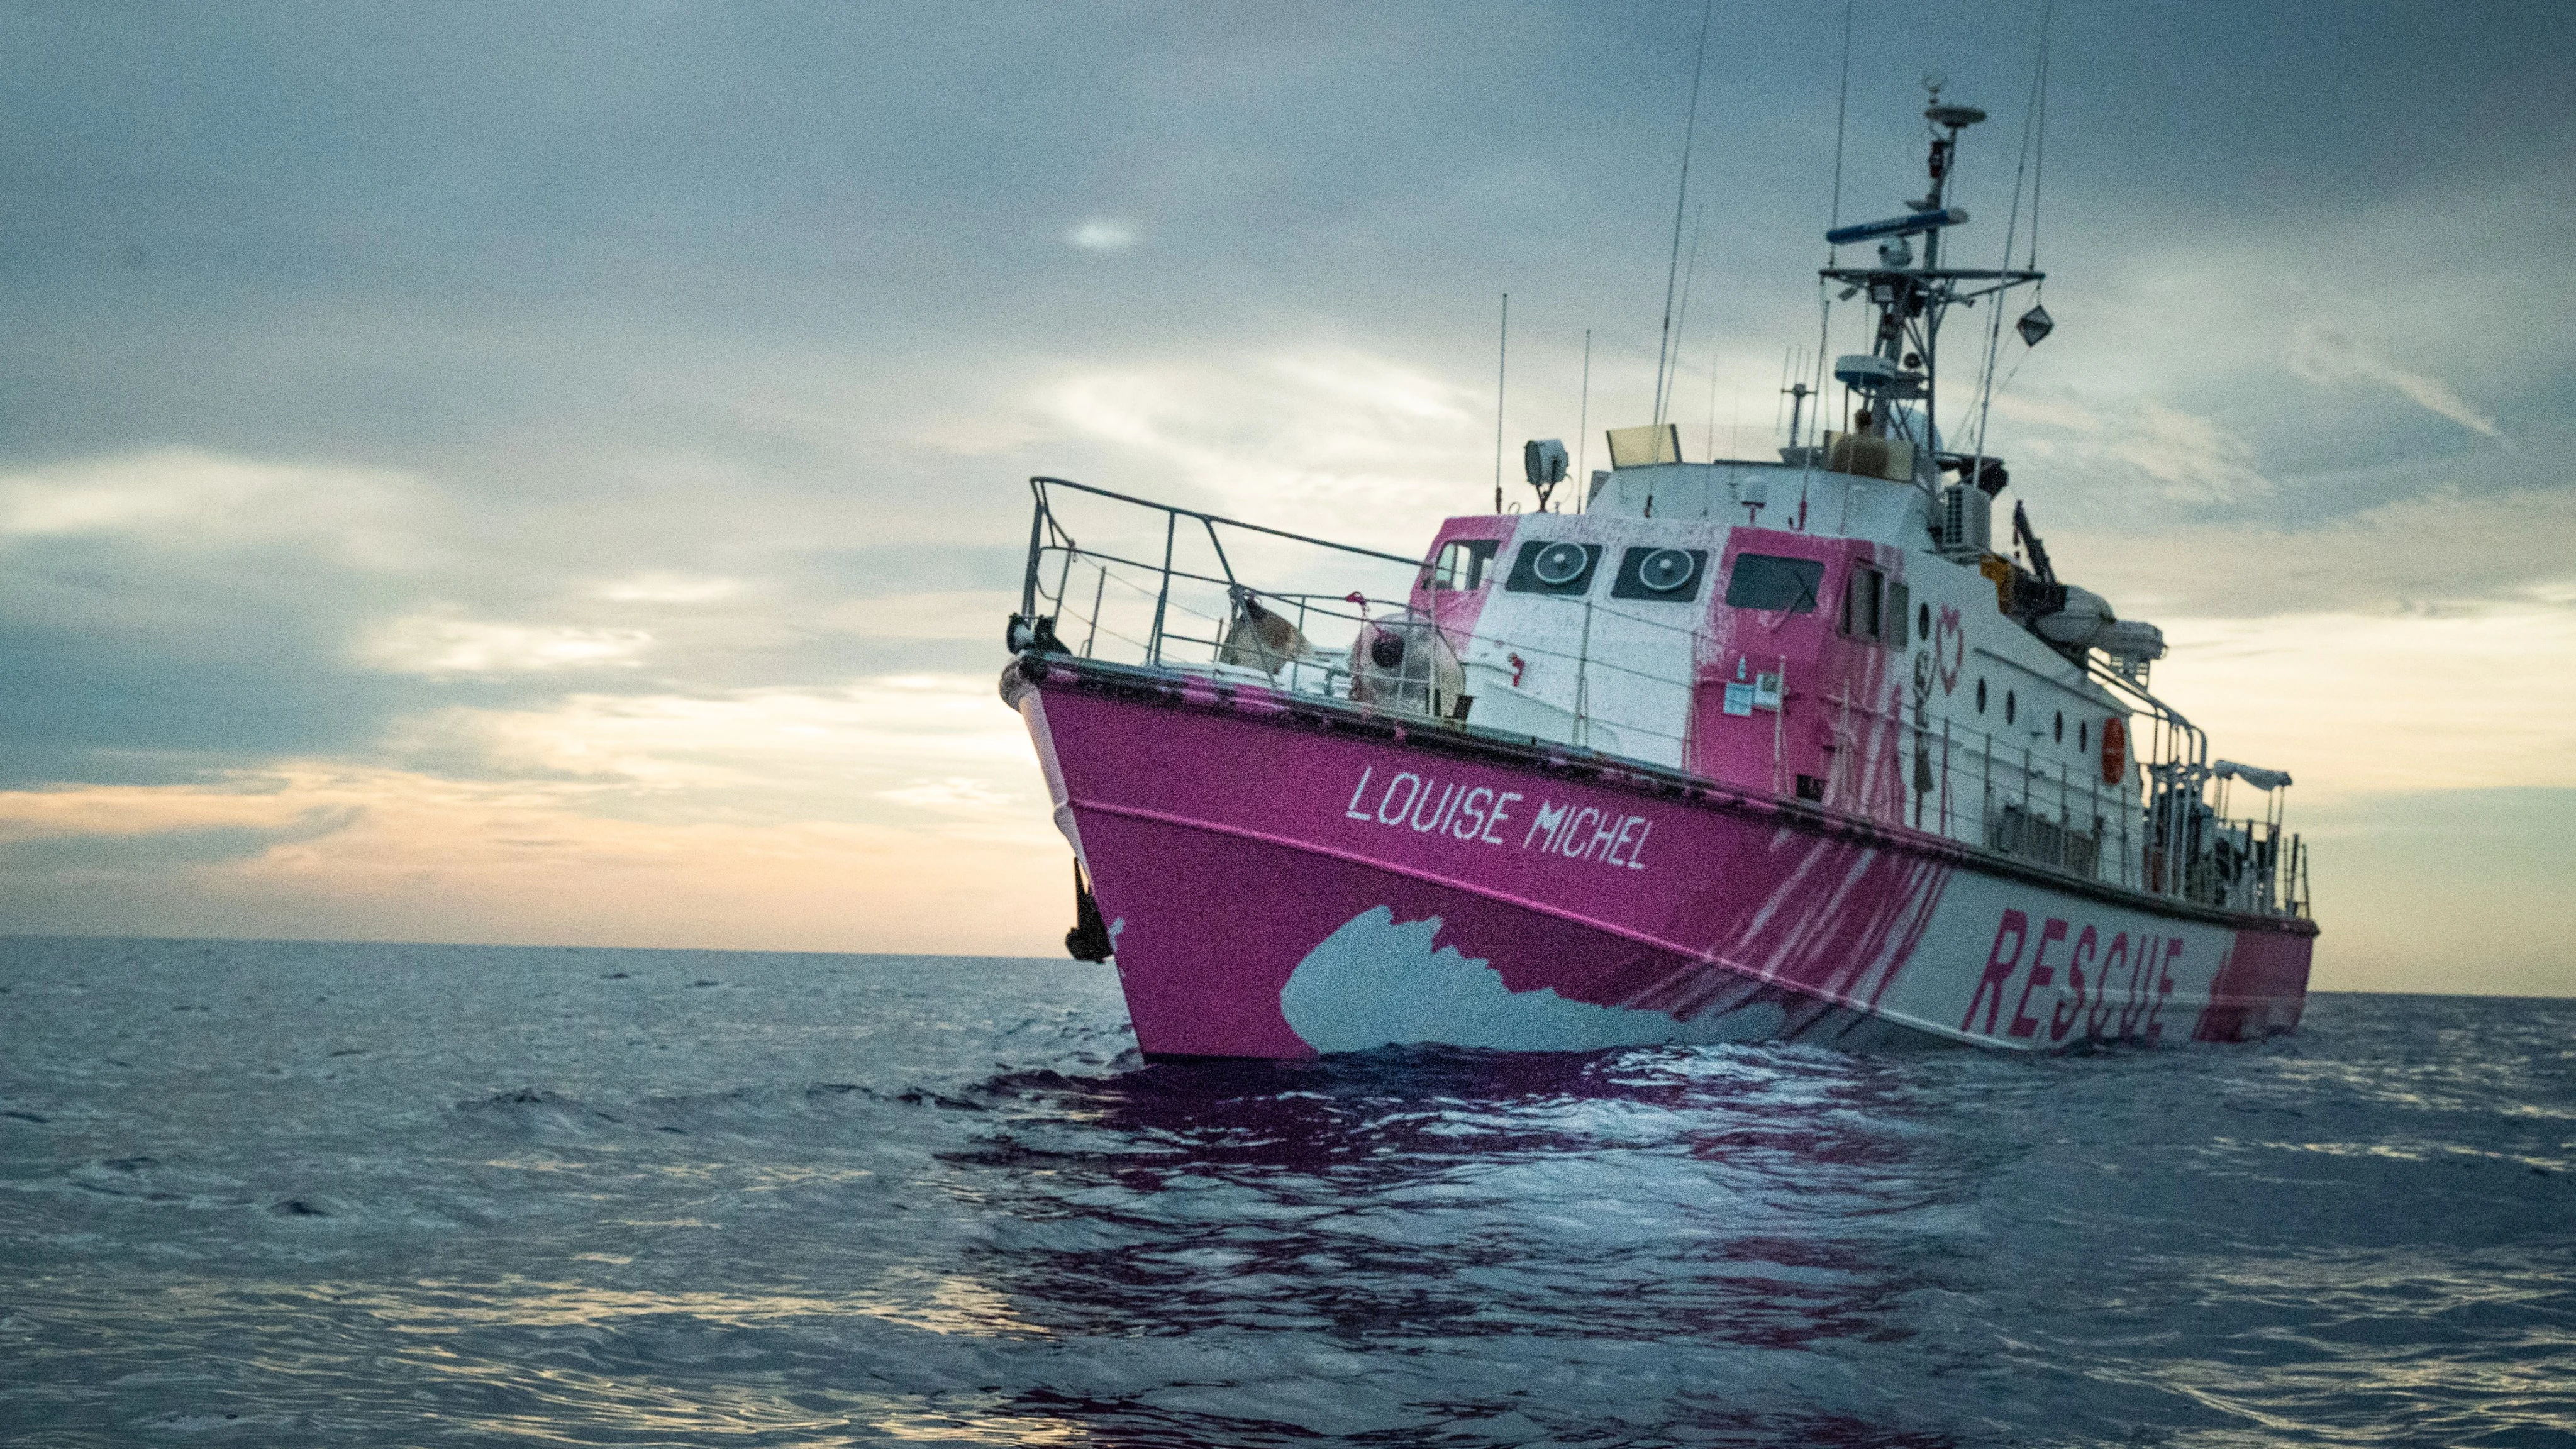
{"points": [[1910, 298]]}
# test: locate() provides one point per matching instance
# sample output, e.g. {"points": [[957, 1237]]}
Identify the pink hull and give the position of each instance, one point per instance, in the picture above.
{"points": [[1284, 877]]}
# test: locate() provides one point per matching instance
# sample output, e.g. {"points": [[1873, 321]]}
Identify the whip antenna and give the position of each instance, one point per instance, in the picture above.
{"points": [[1681, 199], [1583, 430], [1502, 371]]}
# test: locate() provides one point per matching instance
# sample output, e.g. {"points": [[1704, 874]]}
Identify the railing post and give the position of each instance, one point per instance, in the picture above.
{"points": [[1582, 670], [1037, 525], [1154, 650], [1097, 590], [1986, 810], [1946, 826]]}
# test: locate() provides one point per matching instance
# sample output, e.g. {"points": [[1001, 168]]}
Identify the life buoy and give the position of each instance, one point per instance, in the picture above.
{"points": [[2115, 751]]}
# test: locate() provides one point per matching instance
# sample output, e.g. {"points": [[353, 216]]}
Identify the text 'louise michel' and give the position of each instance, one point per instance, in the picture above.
{"points": [[1480, 814]]}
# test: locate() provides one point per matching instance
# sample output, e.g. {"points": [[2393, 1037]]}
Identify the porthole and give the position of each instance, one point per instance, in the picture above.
{"points": [[1981, 696], [2083, 731], [2057, 728], [2010, 706], [1923, 621]]}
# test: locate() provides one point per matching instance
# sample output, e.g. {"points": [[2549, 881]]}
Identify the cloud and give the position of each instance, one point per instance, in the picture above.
{"points": [[1102, 234], [437, 644], [823, 754], [2442, 549], [948, 614], [906, 813], [2326, 355], [2132, 443], [194, 501], [146, 852], [654, 587], [1356, 443]]}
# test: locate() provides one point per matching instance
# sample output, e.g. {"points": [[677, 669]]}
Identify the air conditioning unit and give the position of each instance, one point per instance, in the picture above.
{"points": [[1964, 527]]}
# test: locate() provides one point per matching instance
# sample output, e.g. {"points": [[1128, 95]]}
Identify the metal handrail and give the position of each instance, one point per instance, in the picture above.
{"points": [[1040, 483]]}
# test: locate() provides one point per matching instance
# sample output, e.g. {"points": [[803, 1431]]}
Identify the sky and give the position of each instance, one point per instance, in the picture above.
{"points": [[556, 474]]}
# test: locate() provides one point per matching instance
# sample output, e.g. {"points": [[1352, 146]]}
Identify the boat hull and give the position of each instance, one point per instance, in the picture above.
{"points": [[1285, 877]]}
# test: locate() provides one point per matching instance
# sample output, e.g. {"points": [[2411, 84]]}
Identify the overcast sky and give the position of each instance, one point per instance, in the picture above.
{"points": [[556, 473]]}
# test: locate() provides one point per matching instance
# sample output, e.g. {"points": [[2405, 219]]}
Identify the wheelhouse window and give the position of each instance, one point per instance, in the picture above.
{"points": [[1768, 581], [1542, 567], [1462, 563], [1666, 575]]}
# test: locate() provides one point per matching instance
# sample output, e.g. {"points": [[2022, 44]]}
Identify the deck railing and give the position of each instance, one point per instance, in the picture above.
{"points": [[1169, 587]]}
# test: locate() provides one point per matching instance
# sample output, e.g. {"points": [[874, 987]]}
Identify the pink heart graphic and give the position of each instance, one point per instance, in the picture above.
{"points": [[1949, 647]]}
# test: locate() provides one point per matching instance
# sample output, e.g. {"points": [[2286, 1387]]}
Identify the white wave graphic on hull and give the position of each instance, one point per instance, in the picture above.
{"points": [[1378, 982]]}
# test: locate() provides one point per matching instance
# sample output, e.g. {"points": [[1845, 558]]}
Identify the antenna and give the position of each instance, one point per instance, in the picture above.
{"points": [[1681, 198], [1681, 319], [1842, 120], [1502, 371], [1833, 253], [2039, 149], [1583, 429], [1711, 440], [2034, 129]]}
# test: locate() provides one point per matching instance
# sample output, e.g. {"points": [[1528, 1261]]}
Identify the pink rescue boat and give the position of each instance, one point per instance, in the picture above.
{"points": [[1739, 751]]}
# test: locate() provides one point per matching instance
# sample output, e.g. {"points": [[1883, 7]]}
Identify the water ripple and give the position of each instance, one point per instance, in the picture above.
{"points": [[420, 1195]]}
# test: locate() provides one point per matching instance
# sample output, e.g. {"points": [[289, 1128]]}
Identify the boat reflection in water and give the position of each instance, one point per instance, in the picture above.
{"points": [[1692, 1237]]}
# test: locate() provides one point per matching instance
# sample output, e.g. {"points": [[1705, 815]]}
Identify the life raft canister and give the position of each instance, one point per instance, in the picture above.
{"points": [[2115, 751]]}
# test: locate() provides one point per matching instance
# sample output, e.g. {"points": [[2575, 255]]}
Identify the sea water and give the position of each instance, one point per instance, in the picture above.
{"points": [[286, 1194]]}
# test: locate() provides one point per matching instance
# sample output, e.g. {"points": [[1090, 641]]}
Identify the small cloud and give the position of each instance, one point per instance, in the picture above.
{"points": [[956, 793], [432, 644], [663, 588], [2324, 354], [1102, 234], [968, 614]]}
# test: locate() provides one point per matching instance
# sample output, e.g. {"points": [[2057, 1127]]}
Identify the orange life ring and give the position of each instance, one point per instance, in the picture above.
{"points": [[2115, 751]]}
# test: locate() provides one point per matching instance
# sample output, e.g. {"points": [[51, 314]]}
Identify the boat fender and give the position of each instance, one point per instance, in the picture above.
{"points": [[1089, 938], [1025, 633]]}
